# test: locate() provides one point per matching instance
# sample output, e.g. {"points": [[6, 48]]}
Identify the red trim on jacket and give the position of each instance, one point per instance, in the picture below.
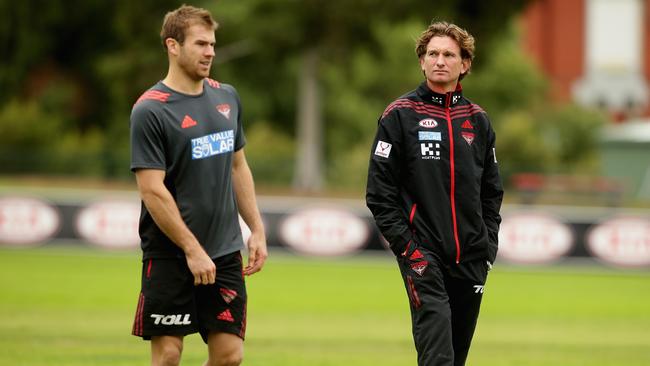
{"points": [[412, 215]]}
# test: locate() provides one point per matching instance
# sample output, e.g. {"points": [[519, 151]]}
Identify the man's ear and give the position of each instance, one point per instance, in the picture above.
{"points": [[466, 64], [173, 47]]}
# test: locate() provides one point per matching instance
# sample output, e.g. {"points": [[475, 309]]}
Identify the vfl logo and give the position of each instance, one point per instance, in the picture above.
{"points": [[213, 144], [171, 319], [478, 289], [383, 149], [224, 109], [428, 123]]}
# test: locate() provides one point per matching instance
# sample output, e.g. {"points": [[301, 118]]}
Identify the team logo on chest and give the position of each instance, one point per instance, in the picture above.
{"points": [[468, 136], [224, 109], [430, 150]]}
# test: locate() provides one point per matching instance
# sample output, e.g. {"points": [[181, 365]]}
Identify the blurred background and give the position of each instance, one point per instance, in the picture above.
{"points": [[565, 84]]}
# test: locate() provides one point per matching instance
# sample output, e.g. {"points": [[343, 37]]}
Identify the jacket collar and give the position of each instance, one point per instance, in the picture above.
{"points": [[443, 100]]}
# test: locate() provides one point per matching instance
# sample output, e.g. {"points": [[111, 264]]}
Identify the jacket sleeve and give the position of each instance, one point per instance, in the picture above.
{"points": [[491, 195], [383, 185]]}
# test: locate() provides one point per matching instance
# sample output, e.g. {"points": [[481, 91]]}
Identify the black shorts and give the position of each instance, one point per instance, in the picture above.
{"points": [[170, 304]]}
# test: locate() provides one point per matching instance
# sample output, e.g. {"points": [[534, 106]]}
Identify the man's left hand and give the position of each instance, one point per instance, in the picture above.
{"points": [[257, 253]]}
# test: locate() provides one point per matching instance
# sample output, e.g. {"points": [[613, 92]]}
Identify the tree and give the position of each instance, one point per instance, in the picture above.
{"points": [[312, 30], [80, 65]]}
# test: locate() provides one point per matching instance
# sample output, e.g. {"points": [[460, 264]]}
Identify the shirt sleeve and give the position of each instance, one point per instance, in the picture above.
{"points": [[147, 139], [491, 195], [383, 185]]}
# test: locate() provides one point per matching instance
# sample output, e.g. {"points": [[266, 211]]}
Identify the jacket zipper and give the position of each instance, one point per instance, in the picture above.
{"points": [[453, 177]]}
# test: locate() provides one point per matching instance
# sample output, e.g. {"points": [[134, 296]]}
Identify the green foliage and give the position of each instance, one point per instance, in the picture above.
{"points": [[533, 133], [73, 71], [270, 154]]}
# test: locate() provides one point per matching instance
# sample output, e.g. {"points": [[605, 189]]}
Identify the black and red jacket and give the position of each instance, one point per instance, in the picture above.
{"points": [[433, 178]]}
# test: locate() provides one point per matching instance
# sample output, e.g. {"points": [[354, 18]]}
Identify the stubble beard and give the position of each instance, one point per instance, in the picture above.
{"points": [[192, 69]]}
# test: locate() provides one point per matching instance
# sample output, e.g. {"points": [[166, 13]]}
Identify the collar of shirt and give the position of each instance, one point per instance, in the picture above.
{"points": [[428, 95]]}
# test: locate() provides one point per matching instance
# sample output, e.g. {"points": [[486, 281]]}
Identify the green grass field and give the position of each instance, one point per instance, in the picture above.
{"points": [[74, 306]]}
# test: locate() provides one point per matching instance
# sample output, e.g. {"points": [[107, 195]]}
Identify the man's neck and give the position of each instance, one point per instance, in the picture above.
{"points": [[442, 89], [180, 82]]}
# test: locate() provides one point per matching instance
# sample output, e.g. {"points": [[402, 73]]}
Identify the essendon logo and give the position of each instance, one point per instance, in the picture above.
{"points": [[428, 123], [228, 295], [419, 267], [224, 109], [468, 136]]}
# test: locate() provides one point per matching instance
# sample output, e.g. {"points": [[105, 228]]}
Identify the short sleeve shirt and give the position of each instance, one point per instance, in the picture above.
{"points": [[193, 139]]}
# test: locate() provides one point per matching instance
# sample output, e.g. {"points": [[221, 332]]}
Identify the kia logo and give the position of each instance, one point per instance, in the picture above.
{"points": [[533, 239], [25, 221], [623, 241], [112, 224], [324, 231], [428, 123]]}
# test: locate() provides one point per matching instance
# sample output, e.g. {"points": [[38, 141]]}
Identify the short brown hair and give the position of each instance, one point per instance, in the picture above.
{"points": [[444, 29], [177, 21]]}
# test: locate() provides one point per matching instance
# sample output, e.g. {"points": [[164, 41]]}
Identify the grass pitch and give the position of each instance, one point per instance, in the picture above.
{"points": [[74, 306]]}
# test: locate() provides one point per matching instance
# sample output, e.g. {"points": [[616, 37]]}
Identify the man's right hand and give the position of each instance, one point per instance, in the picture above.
{"points": [[201, 266]]}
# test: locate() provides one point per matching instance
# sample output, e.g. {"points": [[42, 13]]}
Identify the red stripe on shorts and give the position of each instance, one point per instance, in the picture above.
{"points": [[138, 322]]}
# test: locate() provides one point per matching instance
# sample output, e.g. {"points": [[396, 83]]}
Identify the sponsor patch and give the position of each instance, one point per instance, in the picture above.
{"points": [[213, 144], [430, 150], [224, 109], [383, 149], [419, 267], [228, 295], [428, 123], [177, 319], [468, 136], [429, 136]]}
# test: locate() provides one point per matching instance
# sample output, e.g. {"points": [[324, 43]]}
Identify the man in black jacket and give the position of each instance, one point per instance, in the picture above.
{"points": [[435, 192]]}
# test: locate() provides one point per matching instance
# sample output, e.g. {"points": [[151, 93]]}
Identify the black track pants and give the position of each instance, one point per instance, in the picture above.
{"points": [[444, 309]]}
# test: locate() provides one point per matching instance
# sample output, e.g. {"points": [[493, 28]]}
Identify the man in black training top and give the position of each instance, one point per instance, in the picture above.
{"points": [[435, 192], [187, 154]]}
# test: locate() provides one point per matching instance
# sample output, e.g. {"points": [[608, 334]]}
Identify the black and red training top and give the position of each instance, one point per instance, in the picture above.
{"points": [[433, 177]]}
